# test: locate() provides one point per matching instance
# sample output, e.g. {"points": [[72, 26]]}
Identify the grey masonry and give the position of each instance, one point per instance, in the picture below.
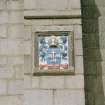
{"points": [[53, 90], [18, 85]]}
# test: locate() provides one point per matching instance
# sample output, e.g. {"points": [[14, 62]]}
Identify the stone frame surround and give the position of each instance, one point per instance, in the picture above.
{"points": [[36, 71]]}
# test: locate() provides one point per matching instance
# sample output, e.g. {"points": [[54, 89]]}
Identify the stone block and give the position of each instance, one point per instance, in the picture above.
{"points": [[7, 72], [103, 66], [102, 54], [15, 87], [88, 3], [99, 86], [16, 60], [42, 22], [91, 68], [69, 97], [93, 54], [52, 82], [2, 4], [90, 12], [28, 22], [3, 60], [3, 31], [90, 26], [3, 87], [28, 33], [79, 52], [27, 64], [16, 17], [100, 3], [78, 44], [66, 21], [79, 68], [3, 17], [38, 97], [99, 99], [90, 97], [30, 4], [15, 47], [52, 4], [101, 40], [10, 100], [77, 31], [103, 80], [35, 82], [16, 31], [52, 28], [74, 82], [27, 82], [74, 4], [27, 47], [78, 47], [91, 83], [3, 47], [19, 71], [15, 4]]}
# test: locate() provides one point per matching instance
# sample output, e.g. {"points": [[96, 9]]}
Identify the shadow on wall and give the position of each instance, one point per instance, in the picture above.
{"points": [[94, 90]]}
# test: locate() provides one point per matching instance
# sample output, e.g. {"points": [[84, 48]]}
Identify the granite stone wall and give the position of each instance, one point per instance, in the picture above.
{"points": [[18, 88], [93, 20], [11, 52]]}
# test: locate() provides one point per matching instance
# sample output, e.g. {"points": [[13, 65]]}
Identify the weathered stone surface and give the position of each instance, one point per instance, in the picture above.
{"points": [[27, 82], [11, 100], [3, 47], [15, 47], [3, 87], [74, 82], [15, 17], [19, 69], [16, 31], [28, 32], [91, 70], [2, 4], [15, 4], [3, 31], [28, 64], [35, 82], [49, 82], [66, 22], [15, 87], [3, 17], [78, 47], [77, 31], [55, 13], [52, 4], [30, 4], [79, 65], [41, 97], [27, 47], [7, 72], [74, 4], [16, 60], [69, 97], [3, 60], [11, 14]]}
